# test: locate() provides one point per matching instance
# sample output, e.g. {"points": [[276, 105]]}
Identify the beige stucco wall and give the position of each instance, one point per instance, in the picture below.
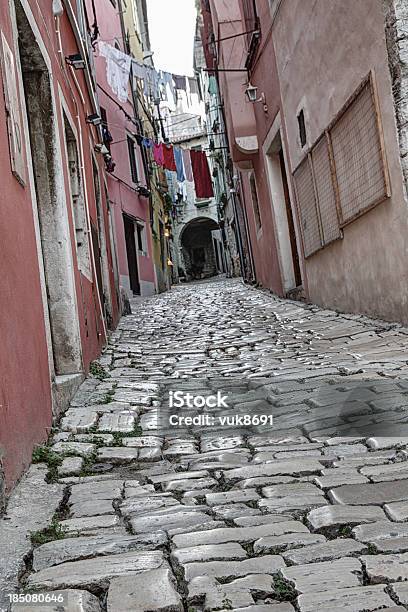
{"points": [[324, 48]]}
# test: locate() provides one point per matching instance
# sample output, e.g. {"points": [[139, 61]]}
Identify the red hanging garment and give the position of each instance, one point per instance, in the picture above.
{"points": [[168, 156], [158, 153], [201, 172]]}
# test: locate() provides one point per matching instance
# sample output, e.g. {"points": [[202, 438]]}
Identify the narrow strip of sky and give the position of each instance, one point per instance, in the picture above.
{"points": [[172, 28]]}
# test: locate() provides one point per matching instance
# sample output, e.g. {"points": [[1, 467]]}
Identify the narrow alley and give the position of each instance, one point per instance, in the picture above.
{"points": [[132, 507]]}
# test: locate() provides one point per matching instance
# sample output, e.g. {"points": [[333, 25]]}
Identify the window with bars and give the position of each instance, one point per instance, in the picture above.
{"points": [[252, 26], [132, 159], [344, 174]]}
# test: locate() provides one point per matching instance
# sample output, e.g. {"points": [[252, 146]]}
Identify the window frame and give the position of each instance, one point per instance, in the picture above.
{"points": [[134, 168], [342, 222]]}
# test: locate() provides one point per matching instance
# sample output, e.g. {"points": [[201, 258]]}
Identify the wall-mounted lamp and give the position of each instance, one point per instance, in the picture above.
{"points": [[251, 93], [76, 61], [94, 119], [169, 262], [57, 8]]}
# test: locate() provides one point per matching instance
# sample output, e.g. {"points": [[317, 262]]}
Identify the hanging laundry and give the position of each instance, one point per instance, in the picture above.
{"points": [[139, 70], [192, 82], [168, 158], [188, 172], [117, 70], [168, 79], [201, 172], [158, 154], [147, 143], [178, 158], [212, 85], [180, 82]]}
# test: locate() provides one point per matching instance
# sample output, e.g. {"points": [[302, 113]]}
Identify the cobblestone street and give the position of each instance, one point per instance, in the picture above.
{"points": [[125, 511]]}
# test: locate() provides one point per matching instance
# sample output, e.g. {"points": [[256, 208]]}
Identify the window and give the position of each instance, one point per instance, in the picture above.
{"points": [[358, 155], [251, 20], [141, 237], [81, 18], [302, 128], [78, 202], [106, 135], [344, 175], [252, 26], [255, 201], [132, 159]]}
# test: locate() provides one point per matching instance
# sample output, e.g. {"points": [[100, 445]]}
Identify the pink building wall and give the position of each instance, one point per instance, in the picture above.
{"points": [[122, 190], [245, 119], [27, 369]]}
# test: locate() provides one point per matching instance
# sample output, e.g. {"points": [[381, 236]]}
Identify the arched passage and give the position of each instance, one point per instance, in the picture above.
{"points": [[198, 248]]}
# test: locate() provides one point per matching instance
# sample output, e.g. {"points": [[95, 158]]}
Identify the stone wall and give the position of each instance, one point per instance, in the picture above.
{"points": [[396, 34]]}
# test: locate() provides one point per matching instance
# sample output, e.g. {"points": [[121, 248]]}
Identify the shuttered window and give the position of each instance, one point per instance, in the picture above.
{"points": [[307, 205], [358, 157], [344, 174]]}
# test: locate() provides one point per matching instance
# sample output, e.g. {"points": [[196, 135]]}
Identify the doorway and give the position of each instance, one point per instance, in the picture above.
{"points": [[291, 223], [282, 212], [131, 252], [46, 161], [101, 251]]}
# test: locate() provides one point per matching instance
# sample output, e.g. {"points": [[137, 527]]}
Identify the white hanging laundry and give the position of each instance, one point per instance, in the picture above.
{"points": [[117, 69]]}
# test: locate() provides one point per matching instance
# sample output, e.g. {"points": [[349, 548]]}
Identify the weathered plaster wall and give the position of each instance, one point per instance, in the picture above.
{"points": [[26, 359], [327, 48], [25, 394]]}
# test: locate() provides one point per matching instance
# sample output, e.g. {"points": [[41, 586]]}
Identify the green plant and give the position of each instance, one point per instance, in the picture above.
{"points": [[55, 531], [283, 591], [345, 531], [44, 454], [371, 549], [97, 370], [108, 398]]}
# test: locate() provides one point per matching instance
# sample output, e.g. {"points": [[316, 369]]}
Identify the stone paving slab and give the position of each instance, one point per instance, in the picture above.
{"points": [[152, 590], [73, 549], [223, 570], [370, 494], [333, 549], [362, 599], [386, 568], [322, 576], [238, 534], [97, 572]]}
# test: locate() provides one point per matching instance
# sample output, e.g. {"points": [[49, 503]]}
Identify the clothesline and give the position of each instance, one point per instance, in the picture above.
{"points": [[188, 164], [157, 84]]}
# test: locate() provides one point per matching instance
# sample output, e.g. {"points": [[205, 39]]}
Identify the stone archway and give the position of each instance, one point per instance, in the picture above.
{"points": [[197, 248]]}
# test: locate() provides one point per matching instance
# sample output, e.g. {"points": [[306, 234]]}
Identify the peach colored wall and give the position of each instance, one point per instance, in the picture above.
{"points": [[323, 51]]}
